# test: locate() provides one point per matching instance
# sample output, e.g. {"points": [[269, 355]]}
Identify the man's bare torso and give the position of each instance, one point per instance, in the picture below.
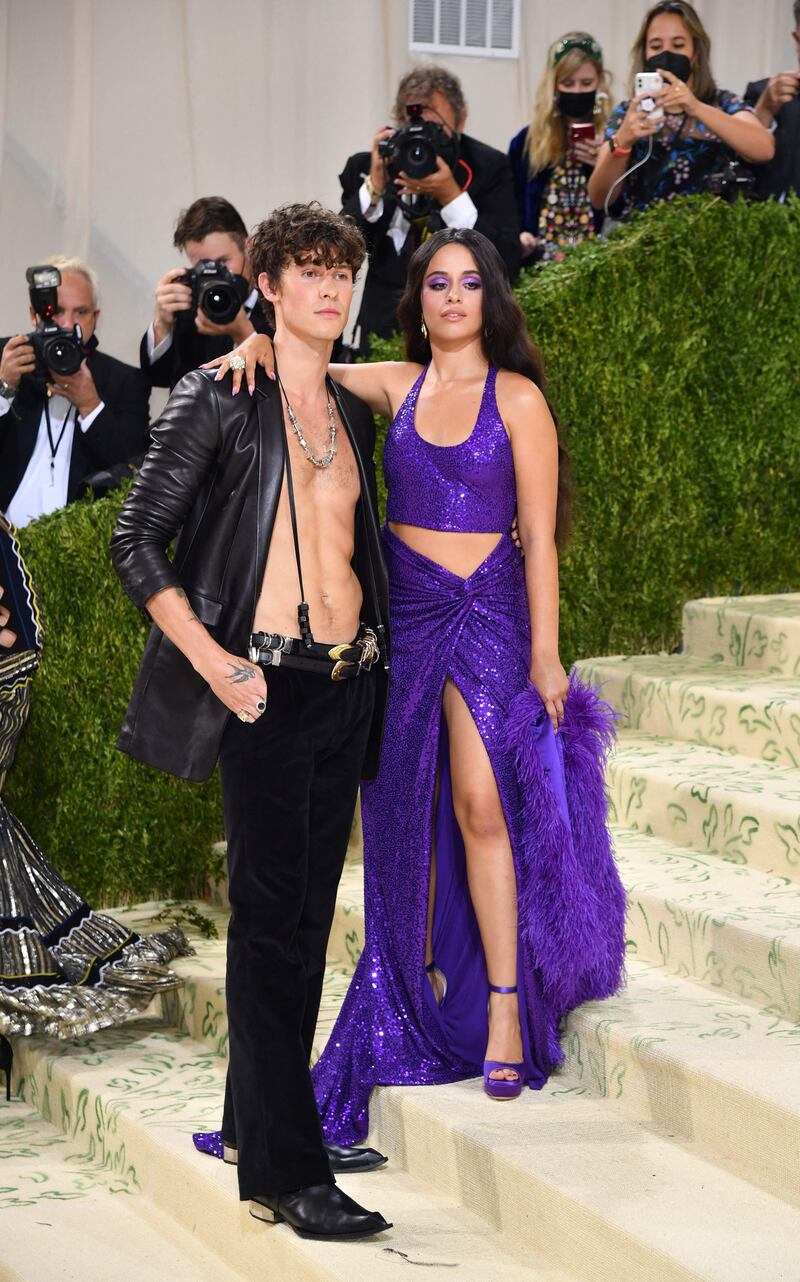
{"points": [[325, 499]]}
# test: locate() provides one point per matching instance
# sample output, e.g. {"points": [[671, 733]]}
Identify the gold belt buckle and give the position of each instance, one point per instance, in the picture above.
{"points": [[337, 673]]}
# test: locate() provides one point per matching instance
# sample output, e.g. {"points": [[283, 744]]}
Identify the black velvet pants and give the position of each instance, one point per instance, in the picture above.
{"points": [[289, 785]]}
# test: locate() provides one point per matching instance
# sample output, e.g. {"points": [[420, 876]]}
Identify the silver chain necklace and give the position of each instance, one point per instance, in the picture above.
{"points": [[328, 457]]}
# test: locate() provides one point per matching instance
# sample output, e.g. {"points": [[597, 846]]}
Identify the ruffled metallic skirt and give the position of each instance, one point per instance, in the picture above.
{"points": [[65, 970]]}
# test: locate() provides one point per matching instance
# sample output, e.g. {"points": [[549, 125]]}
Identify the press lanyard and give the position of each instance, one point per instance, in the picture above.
{"points": [[54, 448]]}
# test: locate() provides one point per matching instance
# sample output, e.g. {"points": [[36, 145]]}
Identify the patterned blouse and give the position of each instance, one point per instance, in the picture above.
{"points": [[682, 158]]}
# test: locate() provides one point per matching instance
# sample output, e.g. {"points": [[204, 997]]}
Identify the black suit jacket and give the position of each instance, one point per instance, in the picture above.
{"points": [[190, 349], [117, 435], [491, 187], [782, 174], [214, 472]]}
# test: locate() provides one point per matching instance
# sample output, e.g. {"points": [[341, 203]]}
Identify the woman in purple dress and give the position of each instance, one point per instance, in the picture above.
{"points": [[492, 902]]}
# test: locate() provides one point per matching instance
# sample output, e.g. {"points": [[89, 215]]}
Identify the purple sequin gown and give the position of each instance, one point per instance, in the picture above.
{"points": [[475, 632]]}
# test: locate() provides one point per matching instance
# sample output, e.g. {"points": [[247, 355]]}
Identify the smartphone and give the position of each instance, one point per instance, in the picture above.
{"points": [[650, 83], [579, 131]]}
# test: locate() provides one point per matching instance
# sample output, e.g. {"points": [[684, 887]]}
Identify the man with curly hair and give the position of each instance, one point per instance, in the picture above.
{"points": [[269, 651]]}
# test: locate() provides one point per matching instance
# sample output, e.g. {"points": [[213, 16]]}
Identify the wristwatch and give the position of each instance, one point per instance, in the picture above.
{"points": [[7, 391], [616, 150]]}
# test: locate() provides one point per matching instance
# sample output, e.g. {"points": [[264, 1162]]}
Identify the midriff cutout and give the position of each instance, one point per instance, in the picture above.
{"points": [[461, 554]]}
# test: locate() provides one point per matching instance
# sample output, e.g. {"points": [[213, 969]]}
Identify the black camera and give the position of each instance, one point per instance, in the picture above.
{"points": [[58, 350], [415, 149], [732, 180], [216, 291]]}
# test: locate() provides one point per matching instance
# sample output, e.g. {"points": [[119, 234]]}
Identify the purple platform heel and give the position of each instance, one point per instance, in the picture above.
{"points": [[500, 1087], [212, 1143]]}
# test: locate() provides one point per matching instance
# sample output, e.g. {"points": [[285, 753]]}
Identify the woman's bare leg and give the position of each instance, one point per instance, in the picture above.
{"points": [[490, 872]]}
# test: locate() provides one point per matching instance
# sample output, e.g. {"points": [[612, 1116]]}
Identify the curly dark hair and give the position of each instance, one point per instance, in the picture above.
{"points": [[206, 215], [506, 341], [421, 83], [300, 234]]}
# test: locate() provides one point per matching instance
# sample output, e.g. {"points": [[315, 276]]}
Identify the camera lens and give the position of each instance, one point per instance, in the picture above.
{"points": [[63, 355], [419, 159], [220, 302]]}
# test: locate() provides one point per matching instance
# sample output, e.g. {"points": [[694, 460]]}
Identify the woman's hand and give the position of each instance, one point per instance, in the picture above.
{"points": [[256, 350], [677, 97], [586, 152], [528, 243], [552, 683], [637, 123], [7, 637]]}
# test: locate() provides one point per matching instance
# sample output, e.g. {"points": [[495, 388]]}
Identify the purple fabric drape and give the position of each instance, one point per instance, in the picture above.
{"points": [[476, 632]]}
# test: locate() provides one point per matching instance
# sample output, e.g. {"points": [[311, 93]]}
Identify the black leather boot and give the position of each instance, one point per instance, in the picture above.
{"points": [[6, 1060], [319, 1211]]}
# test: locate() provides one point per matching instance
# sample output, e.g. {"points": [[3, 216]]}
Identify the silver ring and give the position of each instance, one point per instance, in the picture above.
{"points": [[243, 715], [237, 362], [261, 706]]}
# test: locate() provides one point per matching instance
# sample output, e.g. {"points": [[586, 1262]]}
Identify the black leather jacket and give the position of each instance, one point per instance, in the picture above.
{"points": [[214, 472]]}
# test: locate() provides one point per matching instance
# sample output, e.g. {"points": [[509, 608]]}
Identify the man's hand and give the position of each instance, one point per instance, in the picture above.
{"points": [[528, 243], [239, 328], [377, 168], [780, 89], [441, 185], [78, 388], [237, 683], [18, 358], [7, 637], [171, 298]]}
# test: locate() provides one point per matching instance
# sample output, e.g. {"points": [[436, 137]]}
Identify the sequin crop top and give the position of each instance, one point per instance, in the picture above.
{"points": [[466, 488]]}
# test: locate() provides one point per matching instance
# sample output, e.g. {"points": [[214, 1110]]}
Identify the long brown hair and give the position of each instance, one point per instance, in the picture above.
{"points": [[505, 339], [704, 85]]}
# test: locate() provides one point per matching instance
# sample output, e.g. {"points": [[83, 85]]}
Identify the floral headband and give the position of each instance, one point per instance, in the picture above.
{"points": [[590, 47]]}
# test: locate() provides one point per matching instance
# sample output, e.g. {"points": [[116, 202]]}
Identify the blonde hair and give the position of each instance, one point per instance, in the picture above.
{"points": [[547, 137], [78, 267], [703, 81]]}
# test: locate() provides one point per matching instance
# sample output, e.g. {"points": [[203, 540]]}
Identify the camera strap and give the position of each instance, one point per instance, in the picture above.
{"points": [[49, 425], [302, 609]]}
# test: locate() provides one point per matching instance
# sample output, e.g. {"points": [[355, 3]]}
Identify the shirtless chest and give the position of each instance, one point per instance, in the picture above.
{"points": [[325, 504]]}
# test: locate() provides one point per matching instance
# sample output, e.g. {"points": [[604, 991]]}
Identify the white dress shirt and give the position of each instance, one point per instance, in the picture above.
{"points": [[156, 350], [460, 212], [44, 485]]}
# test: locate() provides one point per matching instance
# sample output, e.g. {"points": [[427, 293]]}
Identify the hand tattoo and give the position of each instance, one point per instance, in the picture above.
{"points": [[239, 674]]}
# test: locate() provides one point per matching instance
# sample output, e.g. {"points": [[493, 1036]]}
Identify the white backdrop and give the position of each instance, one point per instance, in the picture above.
{"points": [[115, 114]]}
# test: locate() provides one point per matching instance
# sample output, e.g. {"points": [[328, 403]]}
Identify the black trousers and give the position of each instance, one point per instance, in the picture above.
{"points": [[289, 786]]}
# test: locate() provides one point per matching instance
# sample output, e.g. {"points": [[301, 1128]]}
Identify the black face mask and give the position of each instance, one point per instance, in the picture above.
{"points": [[676, 63], [576, 105]]}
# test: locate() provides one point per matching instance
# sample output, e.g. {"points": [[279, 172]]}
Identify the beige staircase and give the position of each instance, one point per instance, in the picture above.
{"points": [[667, 1150]]}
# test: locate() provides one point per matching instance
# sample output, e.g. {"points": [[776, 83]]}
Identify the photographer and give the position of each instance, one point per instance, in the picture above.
{"points": [[671, 143], [777, 105], [61, 432], [184, 334], [472, 186]]}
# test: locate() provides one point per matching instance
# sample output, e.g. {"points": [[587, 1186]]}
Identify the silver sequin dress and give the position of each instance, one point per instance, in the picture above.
{"points": [[65, 970]]}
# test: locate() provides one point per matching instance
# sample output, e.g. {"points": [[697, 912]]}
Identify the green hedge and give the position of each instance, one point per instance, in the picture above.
{"points": [[117, 830], [673, 358], [672, 354]]}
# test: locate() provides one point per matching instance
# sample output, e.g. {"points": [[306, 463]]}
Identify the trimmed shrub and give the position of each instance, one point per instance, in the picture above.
{"points": [[117, 830], [672, 357], [671, 354]]}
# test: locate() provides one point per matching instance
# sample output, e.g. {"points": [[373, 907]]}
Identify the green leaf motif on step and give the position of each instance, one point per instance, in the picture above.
{"points": [[678, 814], [699, 792], [211, 1021], [637, 789], [757, 644], [714, 974], [717, 725], [353, 945], [80, 1112], [663, 943], [691, 706], [789, 837]]}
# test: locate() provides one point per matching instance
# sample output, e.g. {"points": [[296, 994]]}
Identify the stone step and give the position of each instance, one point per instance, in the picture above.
{"points": [[139, 1092], [573, 1174], [685, 698], [759, 632], [711, 1071], [687, 1059], [730, 927], [65, 1214], [744, 811]]}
